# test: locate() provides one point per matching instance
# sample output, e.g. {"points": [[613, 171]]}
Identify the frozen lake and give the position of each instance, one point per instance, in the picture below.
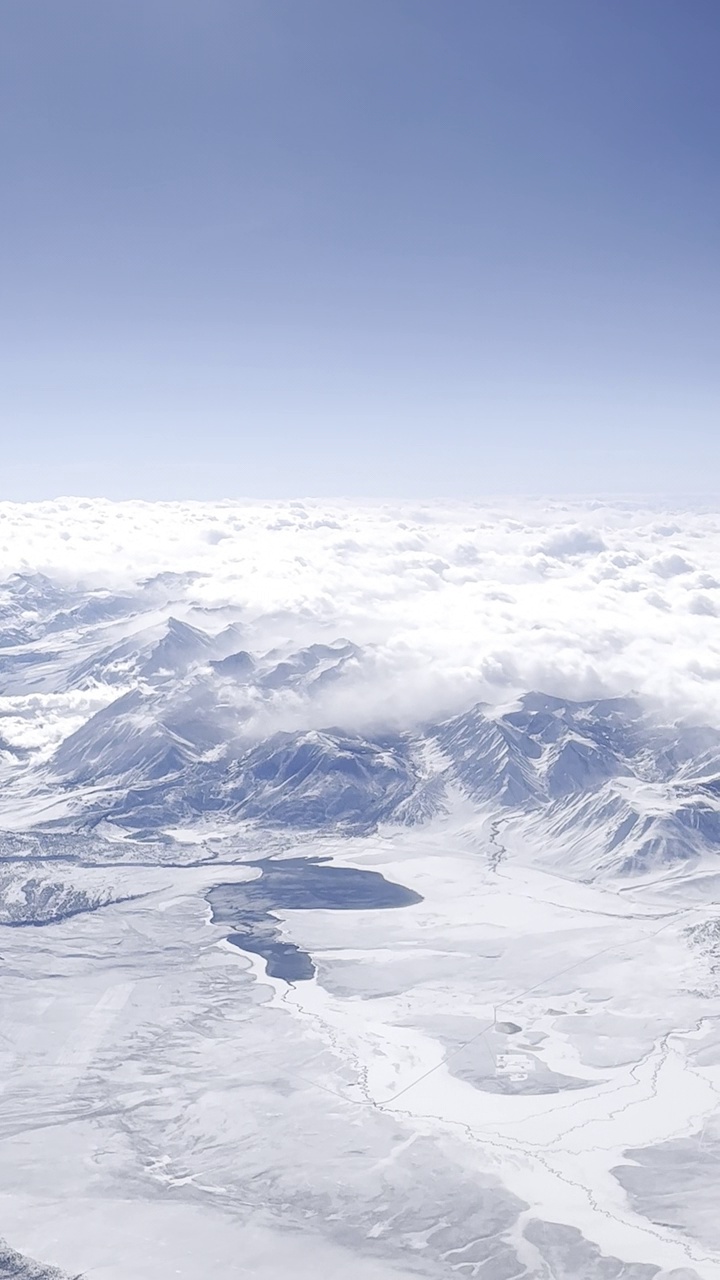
{"points": [[297, 884]]}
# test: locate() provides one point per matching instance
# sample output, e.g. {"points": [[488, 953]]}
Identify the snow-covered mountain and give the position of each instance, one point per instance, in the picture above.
{"points": [[159, 722], [329, 938]]}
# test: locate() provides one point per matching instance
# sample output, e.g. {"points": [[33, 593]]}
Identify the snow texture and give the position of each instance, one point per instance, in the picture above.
{"points": [[358, 884]]}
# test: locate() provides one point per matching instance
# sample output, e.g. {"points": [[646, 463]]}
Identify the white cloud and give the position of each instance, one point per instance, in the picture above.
{"points": [[574, 541], [455, 601], [38, 722]]}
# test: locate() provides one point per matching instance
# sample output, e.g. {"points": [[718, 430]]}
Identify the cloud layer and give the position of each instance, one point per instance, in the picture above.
{"points": [[452, 602]]}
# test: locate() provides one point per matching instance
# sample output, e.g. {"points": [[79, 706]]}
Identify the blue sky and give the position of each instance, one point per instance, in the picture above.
{"points": [[359, 247]]}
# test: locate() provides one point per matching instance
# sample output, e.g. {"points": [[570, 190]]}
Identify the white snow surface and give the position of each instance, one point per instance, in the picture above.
{"points": [[458, 1074], [515, 1076]]}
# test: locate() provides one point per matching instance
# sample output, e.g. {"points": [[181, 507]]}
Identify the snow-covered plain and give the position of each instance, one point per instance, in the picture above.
{"points": [[517, 1075]]}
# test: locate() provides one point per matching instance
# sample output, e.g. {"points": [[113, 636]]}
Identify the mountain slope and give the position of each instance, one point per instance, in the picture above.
{"points": [[154, 721]]}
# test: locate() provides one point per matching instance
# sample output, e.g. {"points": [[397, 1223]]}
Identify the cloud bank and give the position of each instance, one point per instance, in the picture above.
{"points": [[451, 602]]}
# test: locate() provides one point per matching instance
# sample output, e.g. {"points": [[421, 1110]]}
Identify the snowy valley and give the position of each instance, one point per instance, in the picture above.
{"points": [[315, 988]]}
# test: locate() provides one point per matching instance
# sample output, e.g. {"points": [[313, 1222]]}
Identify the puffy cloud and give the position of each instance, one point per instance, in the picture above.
{"points": [[671, 566], [453, 602], [704, 605], [38, 722], [573, 542]]}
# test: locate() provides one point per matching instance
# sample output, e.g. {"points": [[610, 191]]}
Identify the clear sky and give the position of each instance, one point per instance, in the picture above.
{"points": [[359, 247]]}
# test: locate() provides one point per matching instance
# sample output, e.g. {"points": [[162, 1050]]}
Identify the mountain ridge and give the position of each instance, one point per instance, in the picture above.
{"points": [[193, 723]]}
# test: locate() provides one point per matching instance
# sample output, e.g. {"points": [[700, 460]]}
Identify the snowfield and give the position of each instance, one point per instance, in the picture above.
{"points": [[453, 776]]}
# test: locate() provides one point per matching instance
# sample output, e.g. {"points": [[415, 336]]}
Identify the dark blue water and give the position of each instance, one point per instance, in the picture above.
{"points": [[297, 884]]}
